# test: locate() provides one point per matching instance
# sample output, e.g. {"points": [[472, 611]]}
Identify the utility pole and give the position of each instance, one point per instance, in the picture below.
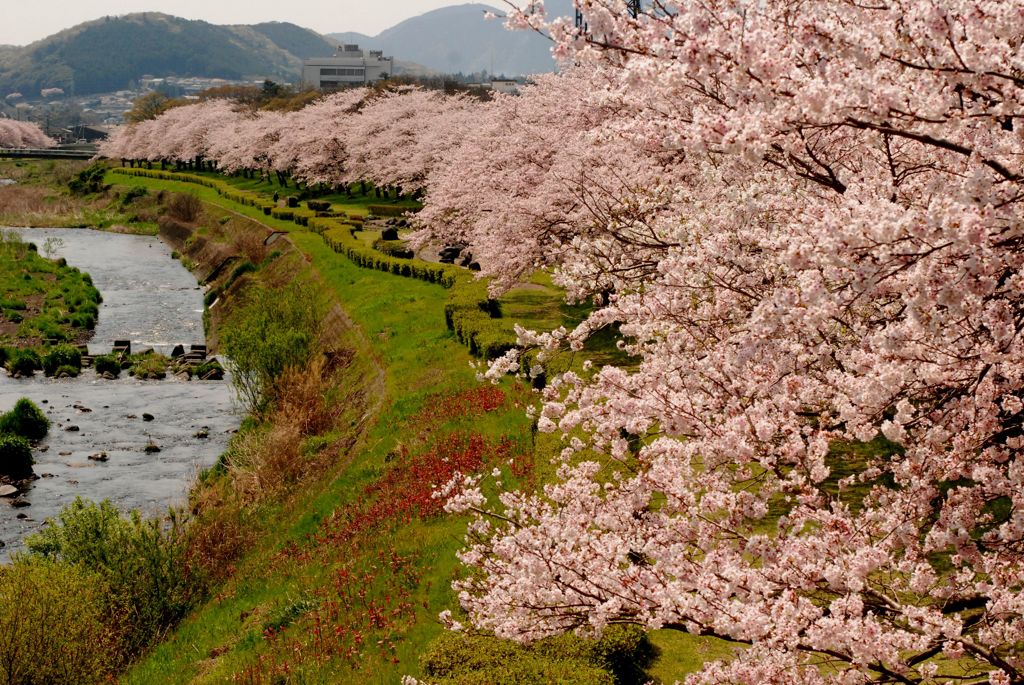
{"points": [[632, 6]]}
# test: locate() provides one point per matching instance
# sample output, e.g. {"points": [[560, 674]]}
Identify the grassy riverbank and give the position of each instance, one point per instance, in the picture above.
{"points": [[41, 299], [344, 578], [41, 198]]}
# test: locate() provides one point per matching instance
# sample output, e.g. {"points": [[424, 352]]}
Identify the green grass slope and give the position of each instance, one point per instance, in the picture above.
{"points": [[349, 573]]}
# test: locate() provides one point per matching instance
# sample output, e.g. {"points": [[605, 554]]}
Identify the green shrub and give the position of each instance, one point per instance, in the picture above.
{"points": [[211, 296], [132, 194], [271, 331], [148, 366], [620, 656], [141, 564], [51, 624], [388, 210], [62, 356], [107, 363], [48, 328], [245, 267], [83, 320], [89, 180], [205, 368], [19, 305], [67, 371], [15, 456], [24, 362], [25, 420]]}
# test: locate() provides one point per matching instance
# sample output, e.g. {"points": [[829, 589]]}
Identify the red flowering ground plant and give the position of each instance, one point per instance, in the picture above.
{"points": [[374, 591]]}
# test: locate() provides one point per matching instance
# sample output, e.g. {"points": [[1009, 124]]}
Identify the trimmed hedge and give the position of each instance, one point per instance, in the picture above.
{"points": [[471, 315], [388, 210], [394, 248], [339, 237]]}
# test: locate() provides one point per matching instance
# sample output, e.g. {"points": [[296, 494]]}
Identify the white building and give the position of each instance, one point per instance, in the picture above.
{"points": [[350, 66]]}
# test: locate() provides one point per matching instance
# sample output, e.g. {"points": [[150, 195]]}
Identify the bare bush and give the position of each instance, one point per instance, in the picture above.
{"points": [[217, 540], [264, 463], [185, 207], [300, 400], [248, 240]]}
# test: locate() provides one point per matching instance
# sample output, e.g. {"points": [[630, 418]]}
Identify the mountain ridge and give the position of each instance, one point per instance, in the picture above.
{"points": [[106, 54], [111, 52]]}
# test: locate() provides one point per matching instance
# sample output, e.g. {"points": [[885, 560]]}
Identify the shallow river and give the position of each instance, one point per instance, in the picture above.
{"points": [[153, 301]]}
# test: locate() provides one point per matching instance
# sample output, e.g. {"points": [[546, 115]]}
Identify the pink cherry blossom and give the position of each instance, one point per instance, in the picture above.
{"points": [[23, 134]]}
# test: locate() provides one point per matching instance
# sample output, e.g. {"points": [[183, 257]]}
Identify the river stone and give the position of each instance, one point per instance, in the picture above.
{"points": [[8, 491], [21, 516], [72, 428], [99, 456], [20, 503], [177, 351], [147, 417], [203, 433], [151, 448]]}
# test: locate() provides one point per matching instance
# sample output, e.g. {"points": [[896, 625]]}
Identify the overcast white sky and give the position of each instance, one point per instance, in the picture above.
{"points": [[24, 21]]}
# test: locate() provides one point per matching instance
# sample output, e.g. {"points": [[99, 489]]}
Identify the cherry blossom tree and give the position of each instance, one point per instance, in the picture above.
{"points": [[23, 134], [314, 145], [537, 171], [401, 136], [817, 238], [247, 142]]}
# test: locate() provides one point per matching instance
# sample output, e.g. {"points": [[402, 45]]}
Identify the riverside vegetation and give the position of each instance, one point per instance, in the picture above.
{"points": [[812, 450], [315, 550]]}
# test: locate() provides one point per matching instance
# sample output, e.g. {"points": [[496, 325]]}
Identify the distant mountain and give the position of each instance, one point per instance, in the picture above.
{"points": [[106, 54], [301, 42], [459, 39]]}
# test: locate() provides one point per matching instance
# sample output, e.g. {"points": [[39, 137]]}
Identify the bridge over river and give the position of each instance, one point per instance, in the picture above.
{"points": [[46, 153]]}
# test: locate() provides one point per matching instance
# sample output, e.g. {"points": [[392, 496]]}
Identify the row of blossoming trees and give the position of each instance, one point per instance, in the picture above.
{"points": [[389, 138], [22, 134], [806, 221]]}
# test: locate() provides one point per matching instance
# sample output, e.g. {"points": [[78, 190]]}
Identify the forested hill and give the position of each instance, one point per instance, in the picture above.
{"points": [[107, 54]]}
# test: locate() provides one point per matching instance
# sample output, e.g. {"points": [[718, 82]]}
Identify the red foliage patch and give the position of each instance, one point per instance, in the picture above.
{"points": [[370, 600]]}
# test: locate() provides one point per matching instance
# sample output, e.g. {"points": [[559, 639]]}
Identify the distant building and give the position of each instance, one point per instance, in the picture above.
{"points": [[350, 66], [501, 85], [505, 85]]}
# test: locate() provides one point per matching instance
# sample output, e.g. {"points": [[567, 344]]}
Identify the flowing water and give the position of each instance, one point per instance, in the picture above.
{"points": [[153, 301]]}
